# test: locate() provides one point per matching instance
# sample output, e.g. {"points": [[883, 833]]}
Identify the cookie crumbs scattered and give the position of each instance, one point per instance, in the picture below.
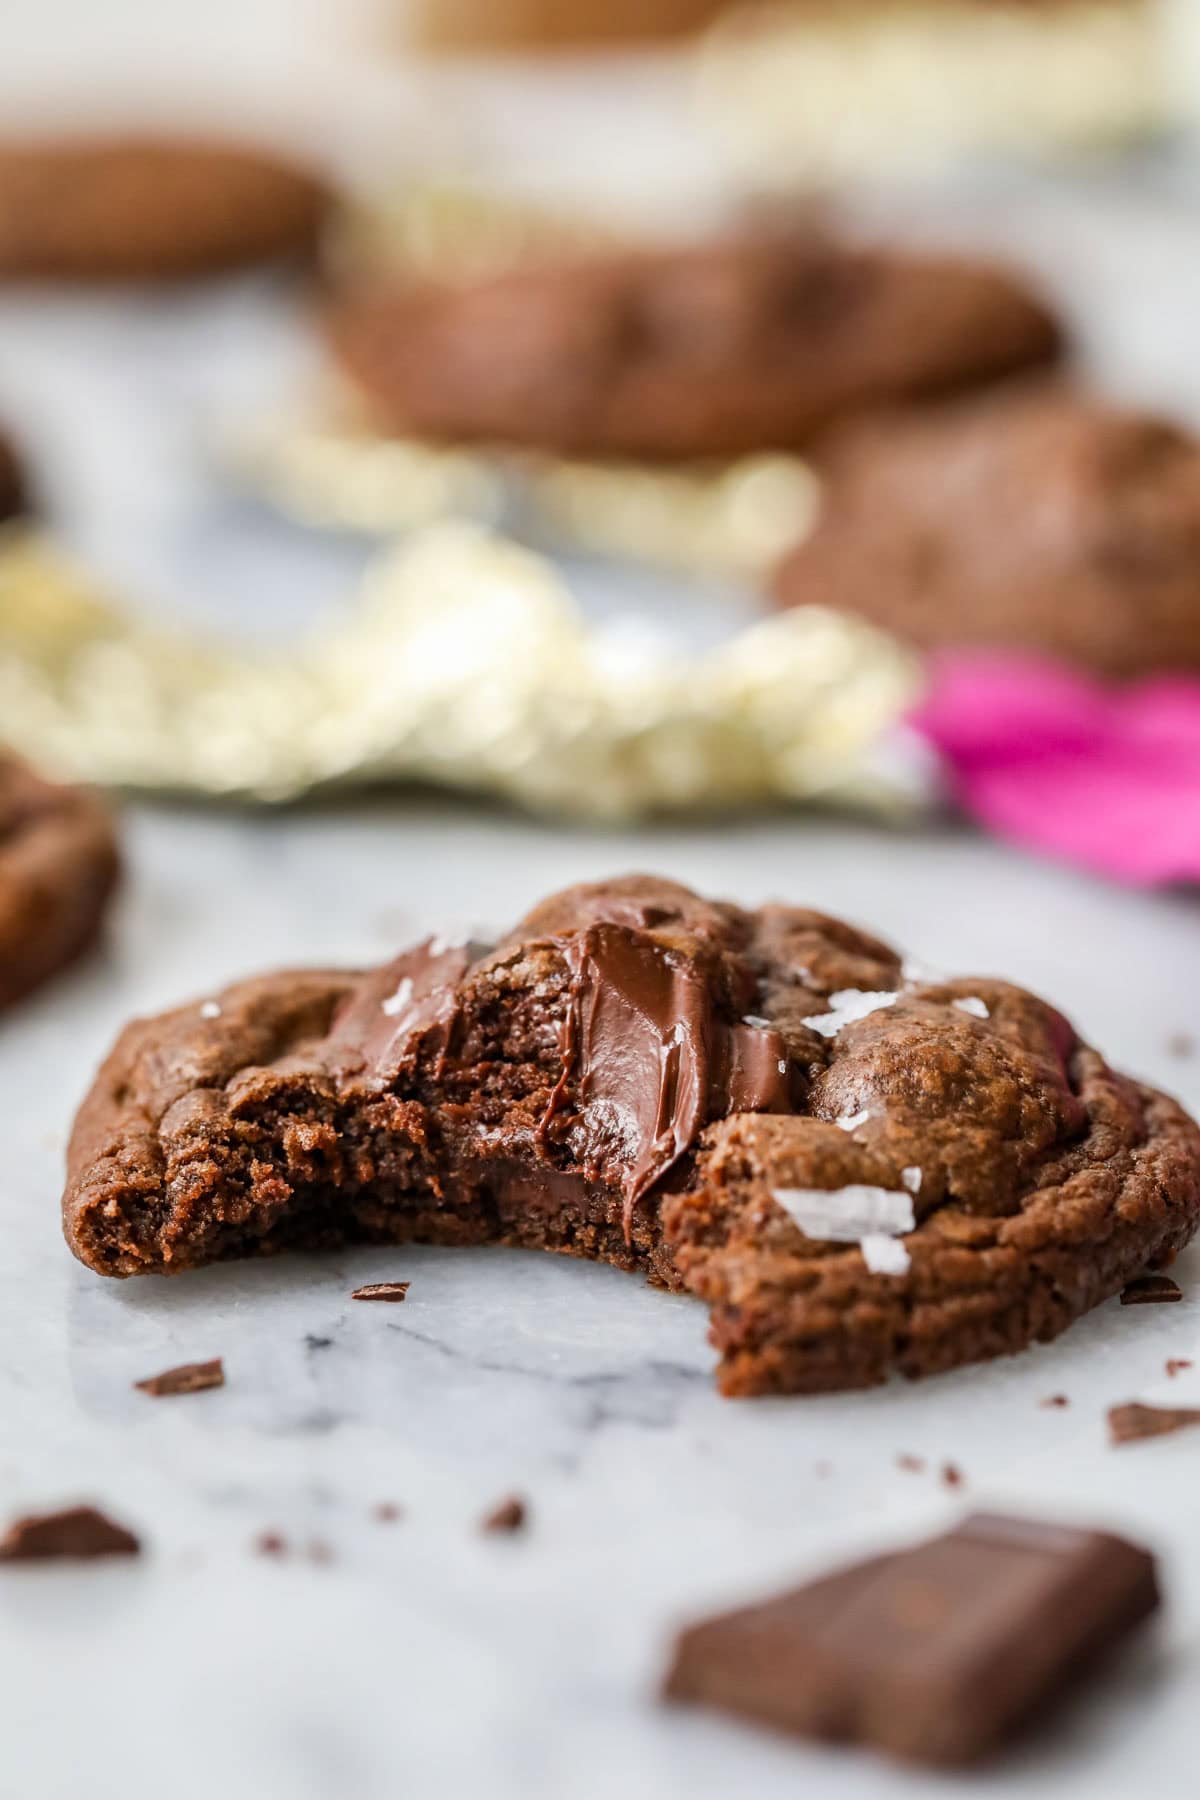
{"points": [[1150, 1290], [952, 1475], [1052, 1400], [188, 1378], [382, 1290], [1176, 1363], [1131, 1423], [511, 1515], [914, 1464], [77, 1533]]}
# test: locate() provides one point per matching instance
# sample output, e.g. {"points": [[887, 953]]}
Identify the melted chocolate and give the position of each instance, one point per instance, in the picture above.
{"points": [[397, 1006], [649, 1060]]}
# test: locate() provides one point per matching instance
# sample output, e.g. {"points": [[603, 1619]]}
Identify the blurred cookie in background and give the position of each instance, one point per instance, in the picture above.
{"points": [[749, 344], [58, 869], [1046, 519], [150, 208], [14, 488]]}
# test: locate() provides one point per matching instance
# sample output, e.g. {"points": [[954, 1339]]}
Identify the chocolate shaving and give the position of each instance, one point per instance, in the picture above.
{"points": [[1131, 1423], [952, 1475], [188, 1378], [80, 1532], [511, 1515], [1150, 1290], [382, 1290], [1175, 1363]]}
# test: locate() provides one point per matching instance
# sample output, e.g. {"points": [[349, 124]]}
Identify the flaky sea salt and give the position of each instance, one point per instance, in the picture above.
{"points": [[401, 1000], [845, 1215], [885, 1255], [971, 1003], [852, 1121], [846, 1007], [911, 1179], [210, 1010], [759, 1023], [915, 973], [439, 945]]}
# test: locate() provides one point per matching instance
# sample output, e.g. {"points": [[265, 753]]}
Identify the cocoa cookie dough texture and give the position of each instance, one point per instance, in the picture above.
{"points": [[861, 1170]]}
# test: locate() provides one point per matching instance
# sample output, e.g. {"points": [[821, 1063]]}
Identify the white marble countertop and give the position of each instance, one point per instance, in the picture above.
{"points": [[423, 1659]]}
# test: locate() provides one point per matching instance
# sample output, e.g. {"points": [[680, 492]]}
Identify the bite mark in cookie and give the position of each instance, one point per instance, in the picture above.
{"points": [[635, 1075]]}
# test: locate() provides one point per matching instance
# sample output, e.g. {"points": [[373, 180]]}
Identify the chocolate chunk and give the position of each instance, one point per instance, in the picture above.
{"points": [[952, 1475], [271, 1543], [938, 1654], [1131, 1423], [1053, 1400], [188, 1378], [511, 1515], [1150, 1290], [1175, 1363], [382, 1290], [80, 1532]]}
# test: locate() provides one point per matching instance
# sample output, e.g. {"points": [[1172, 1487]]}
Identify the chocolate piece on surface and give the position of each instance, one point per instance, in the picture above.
{"points": [[1151, 1290], [392, 1291], [188, 1378], [746, 345], [80, 1533], [145, 208], [58, 870], [1049, 520], [511, 1515], [1176, 1363], [938, 1654], [1131, 1423], [642, 1076]]}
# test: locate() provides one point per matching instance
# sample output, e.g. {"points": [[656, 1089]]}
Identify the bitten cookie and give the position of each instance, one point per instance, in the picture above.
{"points": [[1046, 519], [149, 208], [860, 1170], [750, 345], [58, 868]]}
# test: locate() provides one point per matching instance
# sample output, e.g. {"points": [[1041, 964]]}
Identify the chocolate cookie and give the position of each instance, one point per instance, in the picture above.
{"points": [[14, 494], [752, 345], [58, 867], [1045, 519], [859, 1170], [149, 208]]}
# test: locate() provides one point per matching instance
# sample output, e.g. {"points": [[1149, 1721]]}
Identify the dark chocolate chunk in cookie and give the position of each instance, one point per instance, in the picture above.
{"points": [[58, 869], [753, 344], [860, 1174], [78, 1534], [141, 208], [938, 1654], [1050, 521]]}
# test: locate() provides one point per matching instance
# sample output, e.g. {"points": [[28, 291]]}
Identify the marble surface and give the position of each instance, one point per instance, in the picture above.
{"points": [[419, 1657]]}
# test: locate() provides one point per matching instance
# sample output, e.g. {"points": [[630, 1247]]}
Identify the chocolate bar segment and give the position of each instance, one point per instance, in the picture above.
{"points": [[936, 1654]]}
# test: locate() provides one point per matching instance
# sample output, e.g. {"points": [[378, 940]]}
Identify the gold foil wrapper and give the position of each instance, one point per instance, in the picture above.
{"points": [[466, 664], [733, 519], [862, 88]]}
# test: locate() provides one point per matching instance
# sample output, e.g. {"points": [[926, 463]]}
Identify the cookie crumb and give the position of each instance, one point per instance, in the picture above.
{"points": [[952, 1475], [914, 1464], [75, 1534], [1052, 1400], [382, 1290], [511, 1515], [387, 1512], [318, 1551], [1181, 1045], [271, 1543], [1175, 1363], [1130, 1423], [1150, 1290], [188, 1378]]}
